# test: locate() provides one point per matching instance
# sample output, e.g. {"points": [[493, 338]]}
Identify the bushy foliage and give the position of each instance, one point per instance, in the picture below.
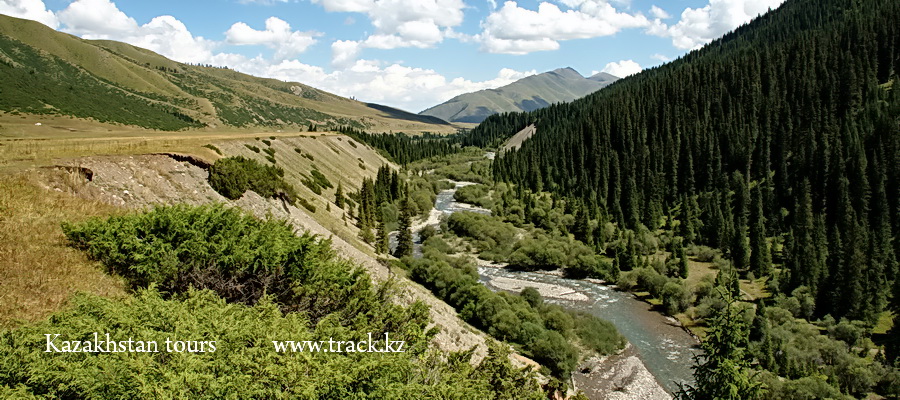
{"points": [[245, 364], [474, 194], [488, 234], [233, 176], [258, 283], [544, 331], [238, 256]]}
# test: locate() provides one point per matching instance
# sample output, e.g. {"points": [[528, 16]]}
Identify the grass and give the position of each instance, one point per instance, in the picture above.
{"points": [[24, 145], [884, 324], [38, 271]]}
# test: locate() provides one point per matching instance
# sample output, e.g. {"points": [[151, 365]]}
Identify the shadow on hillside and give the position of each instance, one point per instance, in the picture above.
{"points": [[400, 114]]}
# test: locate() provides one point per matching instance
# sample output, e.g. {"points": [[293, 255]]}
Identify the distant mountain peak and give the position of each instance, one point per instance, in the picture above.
{"points": [[604, 77], [567, 72], [527, 94]]}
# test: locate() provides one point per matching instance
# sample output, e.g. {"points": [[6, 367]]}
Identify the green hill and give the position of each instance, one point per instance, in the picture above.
{"points": [[43, 71], [526, 94]]}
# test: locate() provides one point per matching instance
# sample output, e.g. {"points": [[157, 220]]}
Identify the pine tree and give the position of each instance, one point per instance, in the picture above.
{"points": [[582, 229], [760, 256], [722, 372], [682, 260], [367, 210], [381, 235], [339, 196], [404, 238], [740, 250]]}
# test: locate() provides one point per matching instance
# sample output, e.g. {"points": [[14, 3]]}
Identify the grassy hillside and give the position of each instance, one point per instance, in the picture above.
{"points": [[527, 94], [46, 72]]}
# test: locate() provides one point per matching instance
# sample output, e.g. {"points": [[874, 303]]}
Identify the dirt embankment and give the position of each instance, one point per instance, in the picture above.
{"points": [[516, 141], [143, 181]]}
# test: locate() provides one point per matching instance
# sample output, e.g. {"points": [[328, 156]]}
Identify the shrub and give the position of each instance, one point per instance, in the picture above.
{"points": [[253, 148], [233, 176], [213, 148]]}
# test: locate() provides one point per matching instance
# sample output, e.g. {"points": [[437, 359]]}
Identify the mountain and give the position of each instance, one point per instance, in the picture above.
{"points": [[43, 71], [526, 94]]}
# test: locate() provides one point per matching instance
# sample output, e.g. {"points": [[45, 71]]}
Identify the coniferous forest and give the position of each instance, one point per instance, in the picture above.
{"points": [[784, 132]]}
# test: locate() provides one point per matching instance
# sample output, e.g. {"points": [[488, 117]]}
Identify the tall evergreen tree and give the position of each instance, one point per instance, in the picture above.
{"points": [[760, 255], [339, 196], [382, 246], [404, 238], [740, 250], [723, 371]]}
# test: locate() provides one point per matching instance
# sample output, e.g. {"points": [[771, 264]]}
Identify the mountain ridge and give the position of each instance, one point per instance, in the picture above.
{"points": [[44, 71], [526, 94]]}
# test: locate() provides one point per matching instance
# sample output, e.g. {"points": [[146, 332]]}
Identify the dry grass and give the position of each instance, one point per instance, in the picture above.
{"points": [[27, 146], [38, 272]]}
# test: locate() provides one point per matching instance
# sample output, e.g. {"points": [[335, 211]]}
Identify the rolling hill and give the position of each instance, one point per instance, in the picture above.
{"points": [[526, 94], [46, 72]]}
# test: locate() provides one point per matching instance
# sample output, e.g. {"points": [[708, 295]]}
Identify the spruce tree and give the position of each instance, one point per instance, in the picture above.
{"points": [[740, 250], [723, 371], [760, 256], [339, 196], [404, 238], [381, 235]]}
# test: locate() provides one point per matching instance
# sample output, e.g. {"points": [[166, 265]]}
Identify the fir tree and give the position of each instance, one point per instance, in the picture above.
{"points": [[381, 235], [404, 238], [723, 371], [740, 250], [760, 256], [339, 196]]}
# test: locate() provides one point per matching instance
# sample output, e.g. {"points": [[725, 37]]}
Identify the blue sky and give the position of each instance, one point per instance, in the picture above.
{"points": [[410, 54]]}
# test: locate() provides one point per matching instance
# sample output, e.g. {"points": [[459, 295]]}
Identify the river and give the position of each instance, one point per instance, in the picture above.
{"points": [[665, 348]]}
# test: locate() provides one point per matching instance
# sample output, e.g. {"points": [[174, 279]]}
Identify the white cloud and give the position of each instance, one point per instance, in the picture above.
{"points": [[97, 19], [699, 26], [344, 53], [659, 13], [516, 30], [277, 35], [622, 68], [101, 19], [401, 23], [397, 85], [661, 57], [29, 9]]}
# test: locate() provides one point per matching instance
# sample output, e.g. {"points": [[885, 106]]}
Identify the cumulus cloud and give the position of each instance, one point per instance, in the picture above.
{"points": [[401, 23], [277, 35], [659, 13], [699, 26], [101, 19], [29, 9], [661, 57], [516, 30], [397, 85], [622, 68]]}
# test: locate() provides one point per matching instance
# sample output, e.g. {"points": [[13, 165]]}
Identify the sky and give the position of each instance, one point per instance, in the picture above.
{"points": [[409, 54]]}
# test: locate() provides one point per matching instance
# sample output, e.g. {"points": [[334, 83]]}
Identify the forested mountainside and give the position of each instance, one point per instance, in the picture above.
{"points": [[778, 143], [526, 94], [43, 71]]}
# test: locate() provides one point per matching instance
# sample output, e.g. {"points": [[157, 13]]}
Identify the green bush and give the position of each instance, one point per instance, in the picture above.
{"points": [[213, 148], [245, 364], [320, 179], [233, 176]]}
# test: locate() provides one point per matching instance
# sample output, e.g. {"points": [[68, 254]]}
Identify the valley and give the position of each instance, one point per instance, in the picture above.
{"points": [[722, 226]]}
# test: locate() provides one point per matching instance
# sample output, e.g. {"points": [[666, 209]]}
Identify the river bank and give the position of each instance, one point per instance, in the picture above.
{"points": [[622, 376], [659, 355]]}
